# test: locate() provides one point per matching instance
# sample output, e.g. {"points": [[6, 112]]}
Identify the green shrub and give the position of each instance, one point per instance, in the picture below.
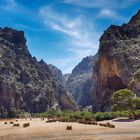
{"points": [[100, 116], [68, 116], [66, 119]]}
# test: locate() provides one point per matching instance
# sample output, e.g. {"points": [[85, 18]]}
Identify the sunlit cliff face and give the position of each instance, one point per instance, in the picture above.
{"points": [[119, 59]]}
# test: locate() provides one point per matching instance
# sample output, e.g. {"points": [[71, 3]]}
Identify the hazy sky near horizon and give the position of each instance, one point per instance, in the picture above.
{"points": [[62, 32]]}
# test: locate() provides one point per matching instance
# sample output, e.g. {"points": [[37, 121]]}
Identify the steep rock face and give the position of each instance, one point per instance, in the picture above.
{"points": [[26, 83], [119, 59], [57, 74], [79, 83], [66, 76], [60, 80], [135, 82]]}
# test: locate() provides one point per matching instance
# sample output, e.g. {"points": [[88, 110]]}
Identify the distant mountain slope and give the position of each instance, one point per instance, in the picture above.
{"points": [[79, 84], [57, 73], [26, 83], [119, 62], [66, 76]]}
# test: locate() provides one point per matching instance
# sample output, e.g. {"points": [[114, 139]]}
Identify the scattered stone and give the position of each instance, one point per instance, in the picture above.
{"points": [[16, 124], [112, 126], [11, 122], [69, 128], [26, 125]]}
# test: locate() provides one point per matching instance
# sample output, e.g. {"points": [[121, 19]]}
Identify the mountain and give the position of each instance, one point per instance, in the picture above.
{"points": [[26, 83], [57, 74], [66, 76], [118, 64], [80, 82]]}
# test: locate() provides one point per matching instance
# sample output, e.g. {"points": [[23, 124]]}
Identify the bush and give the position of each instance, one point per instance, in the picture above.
{"points": [[75, 116], [100, 116], [68, 116], [121, 114], [14, 113], [66, 119]]}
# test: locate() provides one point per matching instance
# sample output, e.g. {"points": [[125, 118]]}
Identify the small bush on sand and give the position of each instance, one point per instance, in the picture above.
{"points": [[16, 124], [69, 128], [111, 126], [26, 125]]}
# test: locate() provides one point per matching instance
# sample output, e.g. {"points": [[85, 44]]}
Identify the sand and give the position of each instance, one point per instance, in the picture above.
{"points": [[40, 130]]}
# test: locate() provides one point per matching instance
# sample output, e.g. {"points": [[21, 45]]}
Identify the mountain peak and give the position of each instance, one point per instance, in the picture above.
{"points": [[13, 36], [135, 20]]}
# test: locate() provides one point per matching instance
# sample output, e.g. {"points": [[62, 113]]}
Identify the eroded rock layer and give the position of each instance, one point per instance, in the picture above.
{"points": [[119, 59]]}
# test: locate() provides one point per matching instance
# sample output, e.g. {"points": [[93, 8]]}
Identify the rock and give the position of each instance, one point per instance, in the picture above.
{"points": [[69, 127], [79, 83], [16, 124], [57, 74], [26, 125], [135, 82], [26, 83], [119, 59], [66, 76]]}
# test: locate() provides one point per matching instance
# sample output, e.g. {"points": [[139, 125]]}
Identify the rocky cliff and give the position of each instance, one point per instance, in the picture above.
{"points": [[80, 82], [26, 83], [119, 60], [57, 74], [66, 76]]}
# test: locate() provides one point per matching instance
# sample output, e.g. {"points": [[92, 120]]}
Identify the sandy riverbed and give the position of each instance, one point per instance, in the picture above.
{"points": [[39, 130]]}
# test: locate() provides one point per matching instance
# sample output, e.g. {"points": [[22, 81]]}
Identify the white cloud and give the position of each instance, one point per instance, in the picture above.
{"points": [[106, 8], [60, 23], [81, 39], [79, 33], [108, 13], [115, 4]]}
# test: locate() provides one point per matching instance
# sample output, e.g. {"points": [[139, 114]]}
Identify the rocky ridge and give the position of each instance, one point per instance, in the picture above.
{"points": [[119, 60], [26, 83]]}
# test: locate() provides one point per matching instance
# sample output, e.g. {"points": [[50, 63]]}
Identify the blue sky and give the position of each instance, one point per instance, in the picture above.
{"points": [[62, 32]]}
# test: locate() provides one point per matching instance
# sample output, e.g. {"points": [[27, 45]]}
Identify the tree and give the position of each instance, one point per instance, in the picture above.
{"points": [[137, 102], [123, 100]]}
